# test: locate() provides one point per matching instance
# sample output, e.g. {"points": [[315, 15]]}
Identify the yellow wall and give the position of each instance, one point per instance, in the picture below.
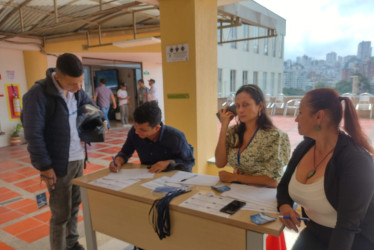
{"points": [[192, 22], [35, 66]]}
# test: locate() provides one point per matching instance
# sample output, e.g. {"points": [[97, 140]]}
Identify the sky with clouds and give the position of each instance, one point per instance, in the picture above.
{"points": [[315, 28]]}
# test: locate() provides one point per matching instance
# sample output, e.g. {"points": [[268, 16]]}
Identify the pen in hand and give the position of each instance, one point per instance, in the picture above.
{"points": [[189, 177], [114, 163], [298, 218]]}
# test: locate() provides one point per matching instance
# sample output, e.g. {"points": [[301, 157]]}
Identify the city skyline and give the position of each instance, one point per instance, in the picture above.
{"points": [[316, 28]]}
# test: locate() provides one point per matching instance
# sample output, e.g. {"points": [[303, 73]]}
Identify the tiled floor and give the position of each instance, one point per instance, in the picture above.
{"points": [[24, 226]]}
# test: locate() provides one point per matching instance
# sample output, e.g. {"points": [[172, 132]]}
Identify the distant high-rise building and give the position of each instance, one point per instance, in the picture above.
{"points": [[331, 58], [364, 50]]}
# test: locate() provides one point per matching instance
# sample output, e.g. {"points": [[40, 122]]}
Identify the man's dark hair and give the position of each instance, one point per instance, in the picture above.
{"points": [[102, 80], [148, 112], [141, 80], [69, 64]]}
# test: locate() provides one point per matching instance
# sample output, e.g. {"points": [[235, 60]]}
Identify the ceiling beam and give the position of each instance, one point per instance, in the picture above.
{"points": [[14, 11]]}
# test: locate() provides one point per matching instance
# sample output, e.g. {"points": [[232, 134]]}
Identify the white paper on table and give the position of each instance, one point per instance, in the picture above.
{"points": [[136, 173], [208, 203], [194, 179], [162, 182], [113, 184], [258, 198]]}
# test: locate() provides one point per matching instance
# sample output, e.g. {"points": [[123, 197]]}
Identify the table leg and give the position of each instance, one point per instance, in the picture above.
{"points": [[256, 240], [90, 233]]}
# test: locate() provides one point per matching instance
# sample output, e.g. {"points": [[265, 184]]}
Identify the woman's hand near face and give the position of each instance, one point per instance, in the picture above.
{"points": [[225, 116], [287, 210]]}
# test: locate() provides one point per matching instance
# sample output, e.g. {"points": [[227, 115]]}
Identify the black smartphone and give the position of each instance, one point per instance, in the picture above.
{"points": [[231, 108], [232, 207]]}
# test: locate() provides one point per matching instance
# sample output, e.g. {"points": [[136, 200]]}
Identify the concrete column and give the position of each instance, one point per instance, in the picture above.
{"points": [[190, 87], [35, 66], [355, 81]]}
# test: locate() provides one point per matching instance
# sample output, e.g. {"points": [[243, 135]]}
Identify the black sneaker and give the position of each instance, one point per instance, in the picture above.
{"points": [[76, 246]]}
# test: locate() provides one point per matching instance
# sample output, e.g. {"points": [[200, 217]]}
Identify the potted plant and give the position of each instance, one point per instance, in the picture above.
{"points": [[15, 138]]}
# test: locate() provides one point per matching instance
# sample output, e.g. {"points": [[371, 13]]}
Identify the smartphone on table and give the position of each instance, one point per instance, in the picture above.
{"points": [[232, 207]]}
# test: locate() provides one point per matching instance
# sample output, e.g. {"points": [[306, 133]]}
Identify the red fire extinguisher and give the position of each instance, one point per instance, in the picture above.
{"points": [[16, 103]]}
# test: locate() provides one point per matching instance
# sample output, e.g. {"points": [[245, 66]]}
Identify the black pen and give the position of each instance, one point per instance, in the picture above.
{"points": [[189, 177]]}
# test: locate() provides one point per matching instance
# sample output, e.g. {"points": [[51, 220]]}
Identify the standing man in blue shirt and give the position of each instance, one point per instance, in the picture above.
{"points": [[49, 119], [162, 147], [103, 95]]}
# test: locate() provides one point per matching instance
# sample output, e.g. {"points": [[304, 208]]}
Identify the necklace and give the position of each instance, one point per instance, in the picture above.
{"points": [[313, 171]]}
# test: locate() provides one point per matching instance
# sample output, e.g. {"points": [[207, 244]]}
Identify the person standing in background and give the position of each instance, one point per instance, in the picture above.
{"points": [[102, 98], [143, 92], [123, 103], [153, 92]]}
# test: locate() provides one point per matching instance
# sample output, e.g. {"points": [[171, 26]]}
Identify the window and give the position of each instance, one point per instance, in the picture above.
{"points": [[273, 41], [245, 77], [272, 85], [255, 42], [246, 35], [266, 42], [232, 81], [280, 90], [265, 87], [255, 77], [233, 37], [219, 83]]}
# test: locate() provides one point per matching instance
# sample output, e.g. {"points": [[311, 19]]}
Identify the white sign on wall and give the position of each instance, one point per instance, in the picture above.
{"points": [[177, 53]]}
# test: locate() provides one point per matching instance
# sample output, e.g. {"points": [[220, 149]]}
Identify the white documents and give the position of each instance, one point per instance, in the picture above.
{"points": [[208, 203], [162, 182], [136, 173], [260, 199], [122, 179], [113, 184], [194, 179]]}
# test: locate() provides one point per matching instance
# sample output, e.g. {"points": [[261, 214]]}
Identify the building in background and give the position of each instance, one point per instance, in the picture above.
{"points": [[364, 50], [250, 49]]}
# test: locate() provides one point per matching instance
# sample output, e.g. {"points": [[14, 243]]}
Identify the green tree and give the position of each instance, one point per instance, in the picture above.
{"points": [[321, 85], [363, 84], [343, 87]]}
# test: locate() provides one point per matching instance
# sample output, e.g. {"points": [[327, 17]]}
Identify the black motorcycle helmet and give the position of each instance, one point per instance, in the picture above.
{"points": [[90, 124]]}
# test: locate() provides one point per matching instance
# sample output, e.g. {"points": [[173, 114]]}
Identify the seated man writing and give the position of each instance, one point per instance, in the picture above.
{"points": [[162, 147]]}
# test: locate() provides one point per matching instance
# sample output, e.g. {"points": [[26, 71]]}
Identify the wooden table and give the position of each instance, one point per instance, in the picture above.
{"points": [[124, 215]]}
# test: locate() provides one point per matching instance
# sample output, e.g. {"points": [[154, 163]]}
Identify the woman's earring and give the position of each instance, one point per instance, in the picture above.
{"points": [[317, 127], [259, 113]]}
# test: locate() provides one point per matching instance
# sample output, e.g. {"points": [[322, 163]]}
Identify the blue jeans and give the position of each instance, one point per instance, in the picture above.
{"points": [[64, 203], [106, 111]]}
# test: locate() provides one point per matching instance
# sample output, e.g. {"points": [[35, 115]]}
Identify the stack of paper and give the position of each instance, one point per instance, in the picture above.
{"points": [[208, 203], [258, 198], [122, 179], [194, 179]]}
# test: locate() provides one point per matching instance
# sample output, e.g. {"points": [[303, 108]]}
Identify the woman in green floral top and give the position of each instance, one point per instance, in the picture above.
{"points": [[255, 148]]}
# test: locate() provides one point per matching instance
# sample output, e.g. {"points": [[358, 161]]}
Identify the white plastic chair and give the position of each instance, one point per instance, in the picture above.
{"points": [[349, 95], [268, 100], [292, 104], [277, 104], [364, 103]]}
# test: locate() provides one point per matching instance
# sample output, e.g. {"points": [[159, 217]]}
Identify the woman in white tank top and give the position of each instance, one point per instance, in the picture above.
{"points": [[331, 175]]}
